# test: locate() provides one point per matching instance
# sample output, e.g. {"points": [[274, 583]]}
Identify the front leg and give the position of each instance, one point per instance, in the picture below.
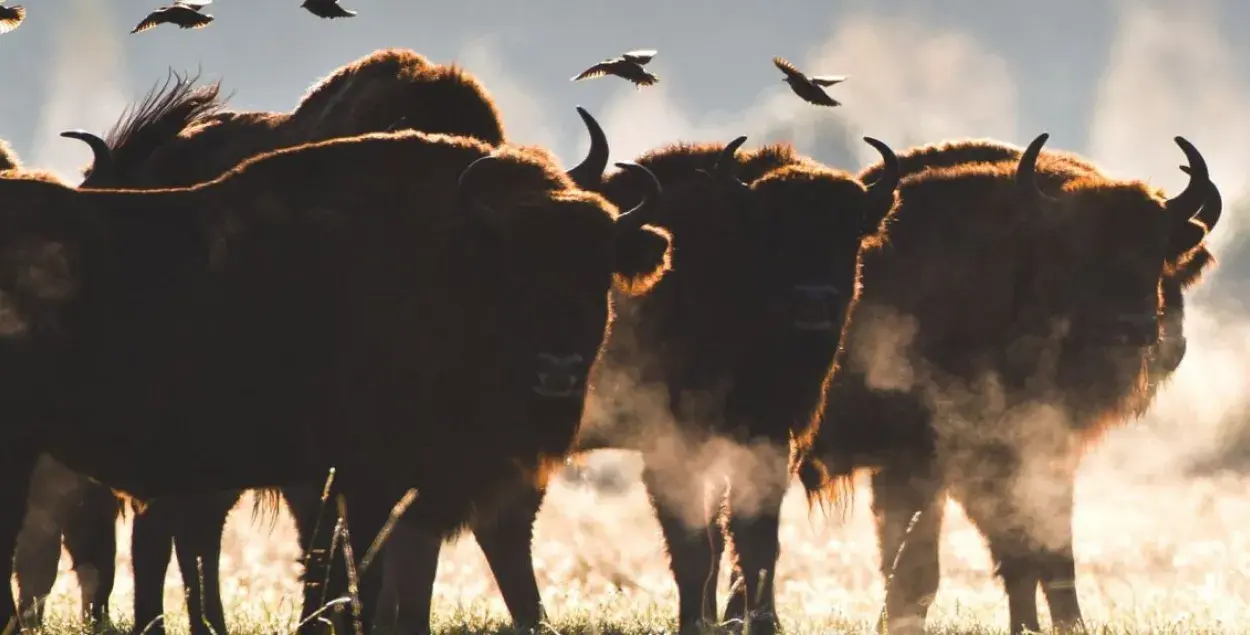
{"points": [[694, 551], [506, 540], [755, 498], [409, 567]]}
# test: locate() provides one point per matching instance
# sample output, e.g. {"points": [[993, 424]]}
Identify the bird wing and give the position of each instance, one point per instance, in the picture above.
{"points": [[646, 79], [154, 19], [787, 68], [598, 70], [641, 56], [202, 21], [339, 12], [194, 5], [821, 98], [827, 80], [13, 19]]}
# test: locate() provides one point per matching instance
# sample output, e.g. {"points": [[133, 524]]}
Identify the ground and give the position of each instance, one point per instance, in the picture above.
{"points": [[1154, 555]]}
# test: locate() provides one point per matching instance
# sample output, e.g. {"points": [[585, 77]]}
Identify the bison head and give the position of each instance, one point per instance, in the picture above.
{"points": [[563, 251], [808, 224], [1103, 250]]}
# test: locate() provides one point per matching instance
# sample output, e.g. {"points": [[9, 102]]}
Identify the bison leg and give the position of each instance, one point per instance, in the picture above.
{"points": [[755, 499], [507, 542], [19, 463], [694, 551], [1058, 563], [409, 566], [91, 540], [314, 523], [197, 545], [150, 550], [54, 491], [909, 551]]}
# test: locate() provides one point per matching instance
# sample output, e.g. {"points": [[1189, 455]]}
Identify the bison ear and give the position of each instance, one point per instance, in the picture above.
{"points": [[643, 256]]}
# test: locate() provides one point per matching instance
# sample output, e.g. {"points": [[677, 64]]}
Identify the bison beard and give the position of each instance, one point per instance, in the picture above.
{"points": [[756, 300], [988, 406], [180, 135], [292, 309]]}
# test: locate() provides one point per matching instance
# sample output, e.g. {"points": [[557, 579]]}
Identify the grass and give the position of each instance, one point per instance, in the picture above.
{"points": [[1154, 556]]}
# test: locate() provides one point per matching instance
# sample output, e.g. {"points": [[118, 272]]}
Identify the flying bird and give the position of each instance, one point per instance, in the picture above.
{"points": [[628, 66], [809, 88], [327, 9], [185, 14], [11, 17]]}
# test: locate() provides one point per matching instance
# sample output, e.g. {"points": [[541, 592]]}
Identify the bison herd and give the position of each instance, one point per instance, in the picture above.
{"points": [[379, 286]]}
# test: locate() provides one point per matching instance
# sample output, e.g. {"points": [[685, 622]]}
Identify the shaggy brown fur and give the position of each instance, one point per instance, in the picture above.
{"points": [[994, 406], [727, 346], [306, 292], [8, 157], [180, 135]]}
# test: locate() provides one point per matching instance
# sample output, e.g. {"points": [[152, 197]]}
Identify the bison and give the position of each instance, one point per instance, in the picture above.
{"points": [[735, 343], [180, 135], [337, 304], [1024, 303]]}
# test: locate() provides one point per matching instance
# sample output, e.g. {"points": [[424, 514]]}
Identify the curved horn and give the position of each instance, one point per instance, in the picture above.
{"points": [[589, 172], [470, 201], [721, 169], [1209, 215], [102, 160], [725, 161], [1187, 204], [1026, 169], [650, 198], [887, 182]]}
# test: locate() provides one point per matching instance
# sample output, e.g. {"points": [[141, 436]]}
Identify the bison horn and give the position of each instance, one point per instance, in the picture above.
{"points": [[882, 189], [589, 172], [722, 169], [469, 200], [1026, 170], [102, 161], [725, 162], [1209, 215], [1189, 202], [652, 190]]}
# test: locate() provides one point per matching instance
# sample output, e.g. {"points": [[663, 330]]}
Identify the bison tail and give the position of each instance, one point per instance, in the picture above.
{"points": [[825, 490], [266, 503]]}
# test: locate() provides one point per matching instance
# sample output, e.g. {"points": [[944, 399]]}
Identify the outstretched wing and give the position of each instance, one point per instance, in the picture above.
{"points": [[641, 56], [827, 80], [199, 22], [154, 19], [821, 98], [194, 5], [598, 70], [786, 67], [11, 18]]}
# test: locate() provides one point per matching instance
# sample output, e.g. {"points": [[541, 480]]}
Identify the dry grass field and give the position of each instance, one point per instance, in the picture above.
{"points": [[1154, 557]]}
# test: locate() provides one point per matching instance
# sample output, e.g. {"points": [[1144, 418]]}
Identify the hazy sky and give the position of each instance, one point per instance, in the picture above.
{"points": [[1116, 80]]}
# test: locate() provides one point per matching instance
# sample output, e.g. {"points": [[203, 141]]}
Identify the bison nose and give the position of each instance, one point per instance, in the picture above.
{"points": [[1133, 329], [814, 307], [560, 375]]}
